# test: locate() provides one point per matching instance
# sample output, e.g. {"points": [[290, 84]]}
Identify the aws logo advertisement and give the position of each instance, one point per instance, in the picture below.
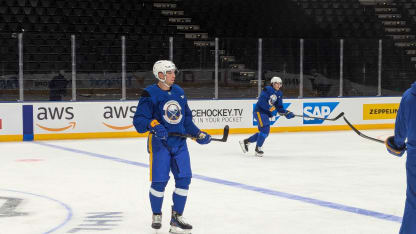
{"points": [[113, 114], [318, 109], [55, 119], [275, 115]]}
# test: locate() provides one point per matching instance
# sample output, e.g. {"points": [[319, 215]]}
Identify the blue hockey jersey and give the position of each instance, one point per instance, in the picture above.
{"points": [[170, 108], [406, 120], [270, 100]]}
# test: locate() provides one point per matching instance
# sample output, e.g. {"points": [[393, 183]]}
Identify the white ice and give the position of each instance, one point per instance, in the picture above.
{"points": [[315, 183]]}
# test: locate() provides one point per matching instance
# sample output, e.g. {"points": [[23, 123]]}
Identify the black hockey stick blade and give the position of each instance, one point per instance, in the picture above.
{"points": [[362, 134], [224, 135], [329, 119], [337, 117]]}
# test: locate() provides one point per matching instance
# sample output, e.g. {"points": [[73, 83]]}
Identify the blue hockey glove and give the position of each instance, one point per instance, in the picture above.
{"points": [[158, 130], [203, 138], [289, 114], [392, 148]]}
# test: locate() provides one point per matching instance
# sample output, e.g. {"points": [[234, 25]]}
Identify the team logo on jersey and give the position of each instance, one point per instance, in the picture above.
{"points": [[318, 109], [173, 114], [272, 99], [275, 115]]}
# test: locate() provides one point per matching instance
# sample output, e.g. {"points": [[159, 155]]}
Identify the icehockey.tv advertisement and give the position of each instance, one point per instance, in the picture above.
{"points": [[216, 114]]}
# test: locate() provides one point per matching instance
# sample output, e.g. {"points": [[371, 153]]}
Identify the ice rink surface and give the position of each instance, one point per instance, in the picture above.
{"points": [[315, 183]]}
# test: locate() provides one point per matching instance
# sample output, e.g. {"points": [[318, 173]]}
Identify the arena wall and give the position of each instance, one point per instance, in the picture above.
{"points": [[111, 119]]}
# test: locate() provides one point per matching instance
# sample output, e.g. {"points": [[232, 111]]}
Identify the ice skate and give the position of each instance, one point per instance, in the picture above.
{"points": [[259, 152], [244, 145], [157, 221], [178, 224]]}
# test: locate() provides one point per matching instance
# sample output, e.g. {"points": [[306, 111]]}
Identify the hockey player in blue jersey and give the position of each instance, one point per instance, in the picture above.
{"points": [[163, 109], [405, 127], [270, 99]]}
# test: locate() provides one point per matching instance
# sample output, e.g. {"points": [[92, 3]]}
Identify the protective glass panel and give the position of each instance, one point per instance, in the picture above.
{"points": [[281, 58], [195, 58], [9, 67], [98, 65], [238, 66], [398, 66], [321, 68], [46, 67], [360, 67], [141, 53]]}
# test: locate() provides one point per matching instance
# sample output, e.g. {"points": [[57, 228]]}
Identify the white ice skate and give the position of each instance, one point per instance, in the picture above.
{"points": [[244, 145], [156, 221], [178, 224]]}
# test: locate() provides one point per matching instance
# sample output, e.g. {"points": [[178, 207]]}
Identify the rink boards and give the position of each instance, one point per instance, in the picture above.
{"points": [[109, 119]]}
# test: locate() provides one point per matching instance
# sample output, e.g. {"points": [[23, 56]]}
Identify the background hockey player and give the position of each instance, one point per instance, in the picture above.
{"points": [[162, 109], [271, 98], [406, 128]]}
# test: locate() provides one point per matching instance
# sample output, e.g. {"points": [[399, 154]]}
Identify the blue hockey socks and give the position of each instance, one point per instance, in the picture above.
{"points": [[260, 139], [260, 136], [180, 194], [157, 190], [253, 138]]}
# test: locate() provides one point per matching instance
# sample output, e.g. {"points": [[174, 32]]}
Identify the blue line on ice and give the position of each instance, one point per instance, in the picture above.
{"points": [[275, 193]]}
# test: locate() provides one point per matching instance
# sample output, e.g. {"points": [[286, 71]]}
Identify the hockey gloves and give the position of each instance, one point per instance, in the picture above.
{"points": [[158, 130], [289, 114], [392, 148], [203, 138]]}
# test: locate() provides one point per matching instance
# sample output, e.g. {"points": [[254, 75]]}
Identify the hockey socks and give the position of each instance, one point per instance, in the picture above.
{"points": [[260, 139], [156, 193], [180, 194], [253, 138]]}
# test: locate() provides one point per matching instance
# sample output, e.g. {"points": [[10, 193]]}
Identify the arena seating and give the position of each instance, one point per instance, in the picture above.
{"points": [[98, 25]]}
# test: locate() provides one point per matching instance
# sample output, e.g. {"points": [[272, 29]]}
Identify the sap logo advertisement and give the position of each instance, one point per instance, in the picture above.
{"points": [[274, 117], [117, 113], [318, 109], [62, 114]]}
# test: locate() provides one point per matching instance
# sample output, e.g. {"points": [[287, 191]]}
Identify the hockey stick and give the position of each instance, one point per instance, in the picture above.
{"points": [[223, 139], [361, 134], [329, 119]]}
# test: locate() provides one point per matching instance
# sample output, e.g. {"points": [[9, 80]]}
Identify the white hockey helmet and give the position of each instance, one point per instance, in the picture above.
{"points": [[163, 66], [276, 79]]}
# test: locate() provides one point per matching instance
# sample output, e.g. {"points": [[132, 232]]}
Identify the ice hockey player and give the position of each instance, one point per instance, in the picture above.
{"points": [[163, 109], [405, 127], [271, 99]]}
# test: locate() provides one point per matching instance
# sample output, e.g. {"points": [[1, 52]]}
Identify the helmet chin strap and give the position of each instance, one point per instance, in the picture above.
{"points": [[164, 81]]}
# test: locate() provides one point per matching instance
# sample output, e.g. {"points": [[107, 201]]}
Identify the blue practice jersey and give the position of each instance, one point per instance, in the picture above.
{"points": [[170, 108], [270, 100], [406, 120]]}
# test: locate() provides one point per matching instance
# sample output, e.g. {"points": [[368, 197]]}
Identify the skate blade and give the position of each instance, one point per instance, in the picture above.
{"points": [[178, 230], [242, 146]]}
